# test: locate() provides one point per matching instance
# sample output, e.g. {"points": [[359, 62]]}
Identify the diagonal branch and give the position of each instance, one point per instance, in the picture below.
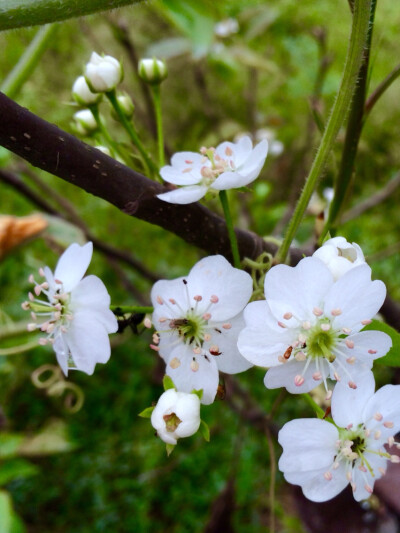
{"points": [[46, 146]]}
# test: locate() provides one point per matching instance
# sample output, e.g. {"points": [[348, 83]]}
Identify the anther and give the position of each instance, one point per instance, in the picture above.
{"points": [[194, 365], [25, 306], [351, 384], [33, 315], [228, 151], [42, 341], [306, 325], [382, 471], [41, 272], [287, 316], [349, 344], [31, 327], [328, 395], [377, 434], [207, 337], [298, 380], [214, 299], [160, 300], [328, 476], [378, 416], [325, 327], [31, 279], [147, 322], [346, 331], [336, 376], [388, 424], [174, 363], [318, 311], [300, 356], [227, 325], [390, 440], [37, 290], [197, 298], [368, 488], [336, 312], [351, 360], [188, 162], [372, 352], [366, 322], [154, 347], [281, 324], [197, 350], [172, 301], [207, 316], [317, 376], [395, 459]]}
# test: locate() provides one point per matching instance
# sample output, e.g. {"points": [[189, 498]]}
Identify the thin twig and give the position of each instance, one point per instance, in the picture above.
{"points": [[372, 201], [378, 92]]}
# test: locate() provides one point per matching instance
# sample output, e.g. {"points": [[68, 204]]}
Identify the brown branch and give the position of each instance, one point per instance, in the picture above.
{"points": [[372, 201], [47, 147]]}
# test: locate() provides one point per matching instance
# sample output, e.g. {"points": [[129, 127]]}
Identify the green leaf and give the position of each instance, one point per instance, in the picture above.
{"points": [[6, 512], [169, 448], [52, 439], [9, 444], [15, 469], [168, 383], [146, 413], [205, 431], [392, 358], [17, 526], [198, 393]]}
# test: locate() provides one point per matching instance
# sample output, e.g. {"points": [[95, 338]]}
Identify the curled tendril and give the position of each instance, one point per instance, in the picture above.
{"points": [[258, 268], [51, 379]]}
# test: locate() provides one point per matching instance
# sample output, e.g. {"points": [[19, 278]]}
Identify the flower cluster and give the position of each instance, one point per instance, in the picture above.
{"points": [[228, 166], [75, 314]]}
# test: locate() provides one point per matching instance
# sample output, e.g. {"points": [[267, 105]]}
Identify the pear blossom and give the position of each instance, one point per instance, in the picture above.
{"points": [[323, 458], [103, 73], [198, 319], [229, 166], [76, 316], [176, 415], [340, 256], [82, 94], [309, 327]]}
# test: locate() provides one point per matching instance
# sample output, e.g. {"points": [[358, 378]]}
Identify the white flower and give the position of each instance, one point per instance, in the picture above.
{"points": [[324, 459], [82, 94], [103, 74], [340, 256], [229, 166], [77, 318], [126, 104], [308, 329], [198, 319], [153, 71], [86, 123], [176, 415]]}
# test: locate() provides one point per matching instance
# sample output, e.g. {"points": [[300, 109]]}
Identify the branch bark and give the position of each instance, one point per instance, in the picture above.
{"points": [[49, 148]]}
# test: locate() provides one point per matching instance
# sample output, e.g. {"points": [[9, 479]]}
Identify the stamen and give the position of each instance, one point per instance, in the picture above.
{"points": [[366, 322], [349, 344], [227, 325], [160, 300], [174, 363], [197, 298], [317, 376], [388, 424], [395, 459], [328, 476], [372, 352], [352, 385], [346, 331], [318, 311], [351, 360], [207, 316], [31, 327], [306, 325], [378, 416], [336, 312], [41, 272], [287, 316], [299, 380], [377, 434], [325, 327], [154, 347], [194, 365], [214, 299]]}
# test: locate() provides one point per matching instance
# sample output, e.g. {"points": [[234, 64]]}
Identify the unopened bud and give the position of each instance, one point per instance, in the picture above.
{"points": [[103, 73], [82, 94], [152, 71]]}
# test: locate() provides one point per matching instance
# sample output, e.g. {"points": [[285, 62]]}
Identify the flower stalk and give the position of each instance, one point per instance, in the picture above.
{"points": [[355, 54], [231, 231]]}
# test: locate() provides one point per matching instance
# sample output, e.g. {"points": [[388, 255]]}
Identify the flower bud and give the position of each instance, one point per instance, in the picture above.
{"points": [[340, 256], [176, 415], [103, 74], [82, 94], [152, 71], [85, 122], [126, 104]]}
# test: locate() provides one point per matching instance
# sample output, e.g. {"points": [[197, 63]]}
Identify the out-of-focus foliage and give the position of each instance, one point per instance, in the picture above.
{"points": [[113, 475]]}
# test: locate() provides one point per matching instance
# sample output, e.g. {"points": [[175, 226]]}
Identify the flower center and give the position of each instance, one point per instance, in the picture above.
{"points": [[320, 342], [171, 422], [219, 165], [191, 328]]}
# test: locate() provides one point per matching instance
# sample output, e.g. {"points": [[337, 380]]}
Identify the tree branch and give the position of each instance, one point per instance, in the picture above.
{"points": [[46, 146]]}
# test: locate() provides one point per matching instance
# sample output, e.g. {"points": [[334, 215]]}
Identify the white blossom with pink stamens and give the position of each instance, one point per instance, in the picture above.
{"points": [[198, 319], [324, 458], [229, 166], [309, 327], [75, 315]]}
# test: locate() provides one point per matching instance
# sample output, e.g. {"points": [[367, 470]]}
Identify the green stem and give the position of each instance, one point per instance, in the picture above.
{"points": [[231, 232], [15, 350], [28, 61], [122, 309], [339, 110], [352, 138], [20, 13], [155, 91], [314, 406], [130, 129], [104, 131]]}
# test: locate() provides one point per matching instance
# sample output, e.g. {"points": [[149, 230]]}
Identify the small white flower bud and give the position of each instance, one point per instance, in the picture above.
{"points": [[82, 94], [85, 122], [103, 74], [176, 415], [340, 256], [152, 71], [127, 106]]}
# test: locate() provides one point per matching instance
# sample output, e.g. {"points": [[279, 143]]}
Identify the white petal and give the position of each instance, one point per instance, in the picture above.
{"points": [[184, 195], [283, 376], [215, 276], [297, 288], [194, 372], [320, 489], [91, 295], [385, 401], [72, 265], [229, 180], [88, 342], [361, 479], [261, 346], [343, 397], [230, 360], [368, 345], [62, 352], [240, 150], [308, 444], [357, 296]]}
